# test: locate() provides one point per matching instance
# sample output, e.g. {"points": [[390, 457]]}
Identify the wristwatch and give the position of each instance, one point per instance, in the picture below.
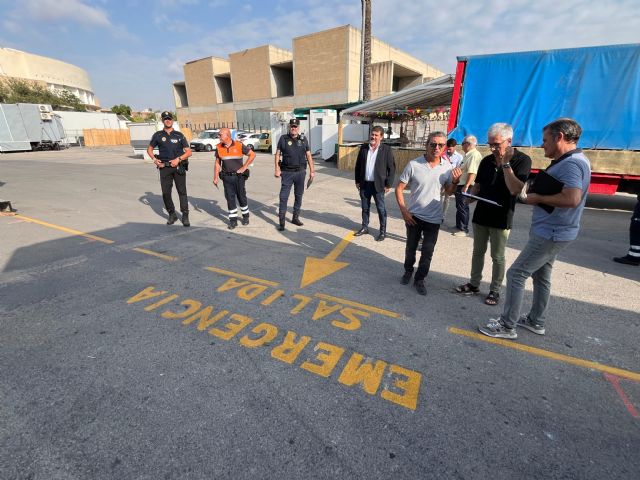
{"points": [[506, 165]]}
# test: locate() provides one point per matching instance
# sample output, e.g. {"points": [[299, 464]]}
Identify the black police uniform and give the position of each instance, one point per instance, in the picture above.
{"points": [[171, 146], [293, 164]]}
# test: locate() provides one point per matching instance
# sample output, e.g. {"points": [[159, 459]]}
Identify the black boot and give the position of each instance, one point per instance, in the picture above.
{"points": [[233, 223], [173, 218], [281, 223], [382, 235], [245, 219], [185, 219], [296, 220]]}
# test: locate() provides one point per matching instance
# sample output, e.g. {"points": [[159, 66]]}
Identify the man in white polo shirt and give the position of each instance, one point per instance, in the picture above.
{"points": [[426, 176]]}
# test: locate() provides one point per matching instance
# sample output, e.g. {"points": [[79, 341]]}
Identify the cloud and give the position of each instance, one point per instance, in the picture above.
{"points": [[62, 10]]}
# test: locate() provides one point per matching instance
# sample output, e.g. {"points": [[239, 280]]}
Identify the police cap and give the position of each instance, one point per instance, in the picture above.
{"points": [[166, 116], [294, 122]]}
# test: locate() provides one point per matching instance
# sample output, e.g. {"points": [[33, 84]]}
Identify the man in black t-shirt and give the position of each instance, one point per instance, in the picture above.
{"points": [[173, 152], [500, 178]]}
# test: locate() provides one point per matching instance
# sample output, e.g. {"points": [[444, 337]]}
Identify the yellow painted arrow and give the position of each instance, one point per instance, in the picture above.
{"points": [[318, 268]]}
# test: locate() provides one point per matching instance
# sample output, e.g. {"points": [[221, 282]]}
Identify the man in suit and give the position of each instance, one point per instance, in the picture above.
{"points": [[375, 171]]}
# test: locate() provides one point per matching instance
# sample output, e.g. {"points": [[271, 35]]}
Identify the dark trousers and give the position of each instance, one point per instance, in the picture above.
{"points": [[462, 211], [414, 232], [367, 191], [634, 231], [288, 179], [169, 175], [234, 189]]}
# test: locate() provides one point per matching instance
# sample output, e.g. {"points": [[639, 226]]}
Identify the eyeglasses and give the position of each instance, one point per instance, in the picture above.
{"points": [[493, 146], [293, 126], [437, 145]]}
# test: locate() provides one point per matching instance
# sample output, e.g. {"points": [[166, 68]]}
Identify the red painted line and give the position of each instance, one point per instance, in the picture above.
{"points": [[615, 381]]}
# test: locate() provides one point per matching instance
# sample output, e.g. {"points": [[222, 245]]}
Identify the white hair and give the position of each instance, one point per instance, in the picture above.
{"points": [[503, 129], [471, 139]]}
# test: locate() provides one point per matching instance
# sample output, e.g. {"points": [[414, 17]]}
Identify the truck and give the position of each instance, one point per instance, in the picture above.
{"points": [[599, 87]]}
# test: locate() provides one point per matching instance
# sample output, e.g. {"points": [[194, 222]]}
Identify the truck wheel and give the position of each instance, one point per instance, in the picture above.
{"points": [[208, 148]]}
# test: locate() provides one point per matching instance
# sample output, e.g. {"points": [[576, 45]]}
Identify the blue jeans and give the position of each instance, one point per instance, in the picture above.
{"points": [[535, 261], [368, 190]]}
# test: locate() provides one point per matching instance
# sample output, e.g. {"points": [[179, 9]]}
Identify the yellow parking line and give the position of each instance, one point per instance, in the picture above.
{"points": [[381, 311], [244, 277], [65, 229], [545, 353], [156, 254]]}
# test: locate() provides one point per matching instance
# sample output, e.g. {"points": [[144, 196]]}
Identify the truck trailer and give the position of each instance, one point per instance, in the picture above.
{"points": [[599, 87]]}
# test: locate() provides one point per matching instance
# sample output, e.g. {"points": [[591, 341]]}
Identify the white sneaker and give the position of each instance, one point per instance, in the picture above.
{"points": [[460, 233]]}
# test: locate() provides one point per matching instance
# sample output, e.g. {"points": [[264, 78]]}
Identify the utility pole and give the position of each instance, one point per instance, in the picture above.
{"points": [[366, 50]]}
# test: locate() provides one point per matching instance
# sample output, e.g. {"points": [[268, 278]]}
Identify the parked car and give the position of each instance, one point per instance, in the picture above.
{"points": [[207, 140], [252, 140], [265, 142]]}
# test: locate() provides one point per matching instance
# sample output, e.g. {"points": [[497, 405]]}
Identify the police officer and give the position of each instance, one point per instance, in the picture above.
{"points": [[292, 156], [171, 162], [230, 167]]}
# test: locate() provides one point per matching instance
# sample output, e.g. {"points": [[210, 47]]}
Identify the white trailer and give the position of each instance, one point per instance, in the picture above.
{"points": [[29, 126]]}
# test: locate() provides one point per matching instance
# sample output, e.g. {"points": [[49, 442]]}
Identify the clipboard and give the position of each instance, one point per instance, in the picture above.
{"points": [[545, 184], [486, 200]]}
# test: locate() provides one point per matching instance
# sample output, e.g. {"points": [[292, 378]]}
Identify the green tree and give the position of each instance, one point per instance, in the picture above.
{"points": [[122, 109], [15, 90]]}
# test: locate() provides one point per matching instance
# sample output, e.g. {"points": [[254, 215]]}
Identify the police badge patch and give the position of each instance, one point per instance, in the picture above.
{"points": [[164, 139]]}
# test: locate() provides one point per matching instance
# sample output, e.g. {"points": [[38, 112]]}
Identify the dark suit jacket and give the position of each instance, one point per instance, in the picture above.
{"points": [[384, 171]]}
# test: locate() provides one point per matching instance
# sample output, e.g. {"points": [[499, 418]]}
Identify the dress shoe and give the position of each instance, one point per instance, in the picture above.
{"points": [[627, 260], [185, 220], [381, 237], [406, 277], [420, 287], [296, 221], [362, 231], [173, 218]]}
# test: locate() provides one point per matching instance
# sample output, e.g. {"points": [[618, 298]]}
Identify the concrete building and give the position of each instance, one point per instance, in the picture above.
{"points": [[322, 70], [48, 72]]}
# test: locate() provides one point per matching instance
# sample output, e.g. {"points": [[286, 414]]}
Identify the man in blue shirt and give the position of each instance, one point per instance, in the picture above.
{"points": [[552, 229]]}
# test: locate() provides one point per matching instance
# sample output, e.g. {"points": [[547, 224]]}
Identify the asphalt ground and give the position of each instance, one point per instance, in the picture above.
{"points": [[133, 349]]}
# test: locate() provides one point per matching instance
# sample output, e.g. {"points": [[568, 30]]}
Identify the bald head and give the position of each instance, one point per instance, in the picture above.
{"points": [[225, 136]]}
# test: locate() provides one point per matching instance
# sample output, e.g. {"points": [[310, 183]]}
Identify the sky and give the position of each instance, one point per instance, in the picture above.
{"points": [[134, 50]]}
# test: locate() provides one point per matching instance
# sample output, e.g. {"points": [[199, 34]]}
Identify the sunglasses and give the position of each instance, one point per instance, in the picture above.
{"points": [[293, 126], [437, 145]]}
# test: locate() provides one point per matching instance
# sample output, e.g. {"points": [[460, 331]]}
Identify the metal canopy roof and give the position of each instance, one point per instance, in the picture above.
{"points": [[432, 94]]}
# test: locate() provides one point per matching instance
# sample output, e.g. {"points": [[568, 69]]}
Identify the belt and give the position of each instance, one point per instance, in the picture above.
{"points": [[287, 168], [228, 174]]}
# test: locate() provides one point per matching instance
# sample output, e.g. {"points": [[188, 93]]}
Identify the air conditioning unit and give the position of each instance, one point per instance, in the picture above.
{"points": [[44, 108], [45, 115]]}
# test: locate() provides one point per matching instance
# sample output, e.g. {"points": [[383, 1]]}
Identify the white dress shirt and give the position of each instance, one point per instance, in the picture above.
{"points": [[371, 163]]}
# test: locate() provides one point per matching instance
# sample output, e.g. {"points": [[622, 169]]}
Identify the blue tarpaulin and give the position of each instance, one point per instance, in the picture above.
{"points": [[599, 87]]}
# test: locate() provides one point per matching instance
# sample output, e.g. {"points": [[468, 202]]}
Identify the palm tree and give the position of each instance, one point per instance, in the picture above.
{"points": [[366, 74]]}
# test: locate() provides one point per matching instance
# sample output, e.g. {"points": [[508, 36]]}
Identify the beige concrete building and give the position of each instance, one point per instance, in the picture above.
{"points": [[322, 70], [48, 72]]}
